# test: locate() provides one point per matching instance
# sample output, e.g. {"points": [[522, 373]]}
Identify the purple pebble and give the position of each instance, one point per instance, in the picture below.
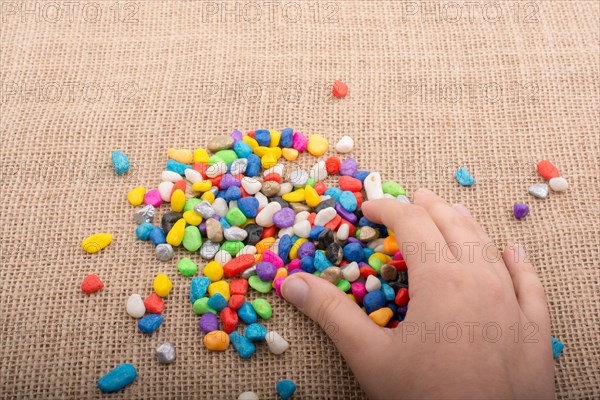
{"points": [[402, 310], [284, 218], [208, 323], [202, 227], [306, 250], [349, 167], [236, 136], [266, 271], [355, 240], [227, 181], [520, 210], [347, 215]]}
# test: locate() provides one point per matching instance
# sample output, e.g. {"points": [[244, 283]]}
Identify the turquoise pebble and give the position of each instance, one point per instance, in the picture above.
{"points": [[321, 262], [247, 314], [557, 347], [348, 201], [157, 236], [285, 389], [144, 230], [368, 252], [242, 345], [463, 177], [334, 193], [150, 322], [119, 377], [217, 301], [198, 288], [255, 332], [388, 291], [120, 162], [242, 149], [176, 166]]}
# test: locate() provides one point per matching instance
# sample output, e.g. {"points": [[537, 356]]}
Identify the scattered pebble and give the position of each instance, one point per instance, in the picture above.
{"points": [[135, 306], [120, 162], [285, 389], [539, 190], [557, 347], [118, 378], [520, 210], [340, 89], [559, 184], [547, 170], [248, 396], [345, 144], [277, 344], [97, 242], [165, 353], [91, 284], [464, 177]]}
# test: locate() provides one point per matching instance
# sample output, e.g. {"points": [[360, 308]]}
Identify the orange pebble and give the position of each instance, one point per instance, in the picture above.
{"points": [[382, 316], [264, 244], [390, 246], [281, 273], [216, 340]]}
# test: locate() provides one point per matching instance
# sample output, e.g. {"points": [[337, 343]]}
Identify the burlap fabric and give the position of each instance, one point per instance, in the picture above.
{"points": [[433, 85]]}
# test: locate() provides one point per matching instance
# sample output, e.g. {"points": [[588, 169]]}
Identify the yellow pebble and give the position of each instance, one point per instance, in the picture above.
{"points": [[296, 247], [275, 137], [289, 154], [178, 200], [250, 142], [181, 155], [202, 186], [208, 196], [311, 196], [351, 297], [200, 155], [317, 145], [268, 160], [219, 287], [248, 222], [296, 196], [257, 258], [281, 273], [97, 242], [192, 217], [213, 271], [175, 235], [216, 341], [383, 257], [382, 316], [136, 195], [264, 244], [162, 285]]}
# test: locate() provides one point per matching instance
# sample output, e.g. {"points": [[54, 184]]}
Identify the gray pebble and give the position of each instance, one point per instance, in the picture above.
{"points": [[214, 230], [366, 234], [205, 209], [249, 272], [220, 143], [145, 214], [239, 166], [539, 190], [209, 249], [164, 252], [165, 353], [270, 188], [235, 233], [214, 190], [299, 207], [332, 274]]}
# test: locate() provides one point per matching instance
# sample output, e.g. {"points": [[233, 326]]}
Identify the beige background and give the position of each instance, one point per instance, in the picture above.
{"points": [[533, 72]]}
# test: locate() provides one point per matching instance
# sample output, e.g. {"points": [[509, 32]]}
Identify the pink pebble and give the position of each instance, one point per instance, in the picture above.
{"points": [[359, 290], [299, 141], [398, 256], [277, 283], [294, 264], [153, 198], [273, 258]]}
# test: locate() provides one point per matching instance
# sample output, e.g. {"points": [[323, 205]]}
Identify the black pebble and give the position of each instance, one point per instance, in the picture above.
{"points": [[334, 253], [325, 238], [325, 204], [168, 220], [401, 281], [282, 202], [254, 233]]}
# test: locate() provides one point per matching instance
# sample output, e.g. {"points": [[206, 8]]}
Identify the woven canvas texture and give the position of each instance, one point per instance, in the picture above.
{"points": [[432, 87]]}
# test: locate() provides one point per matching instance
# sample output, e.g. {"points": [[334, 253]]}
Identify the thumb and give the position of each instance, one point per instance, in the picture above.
{"points": [[342, 319]]}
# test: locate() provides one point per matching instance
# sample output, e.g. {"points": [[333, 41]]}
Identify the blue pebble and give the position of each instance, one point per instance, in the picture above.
{"points": [[387, 290], [255, 332], [248, 206], [285, 389], [157, 236], [263, 137], [392, 306], [361, 175], [363, 221], [354, 252], [120, 162], [233, 193], [285, 245], [348, 201], [143, 230], [463, 177], [287, 137], [241, 344], [334, 192], [321, 261], [176, 166], [224, 223], [247, 314], [242, 149], [557, 347], [368, 252], [150, 322], [307, 264], [221, 194], [315, 232], [198, 288], [217, 301], [253, 168], [119, 377], [373, 301]]}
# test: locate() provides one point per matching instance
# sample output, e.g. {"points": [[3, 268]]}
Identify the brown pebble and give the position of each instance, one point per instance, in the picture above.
{"points": [[270, 188], [220, 143], [332, 274], [366, 234], [299, 207], [214, 230], [388, 272]]}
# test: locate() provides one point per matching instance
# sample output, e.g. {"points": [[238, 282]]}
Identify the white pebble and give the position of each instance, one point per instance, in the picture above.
{"points": [[239, 166], [170, 176], [222, 257], [388, 196], [319, 171], [248, 396], [265, 216], [192, 175], [220, 206], [324, 197], [345, 144], [302, 229], [372, 283], [351, 272], [284, 188], [373, 244], [251, 185], [217, 169], [559, 184], [277, 168], [325, 215], [262, 200], [166, 353], [343, 232], [277, 344], [301, 216], [373, 187], [298, 177], [165, 189], [135, 306], [248, 249], [286, 231], [235, 233], [403, 199]]}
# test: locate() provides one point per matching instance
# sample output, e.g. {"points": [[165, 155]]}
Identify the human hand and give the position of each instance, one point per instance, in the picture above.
{"points": [[477, 324]]}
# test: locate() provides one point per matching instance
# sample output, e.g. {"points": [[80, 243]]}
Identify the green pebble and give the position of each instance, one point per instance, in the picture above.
{"points": [[187, 267], [190, 203], [375, 263], [236, 217], [393, 188], [317, 273], [227, 156], [357, 233], [343, 285], [192, 239], [260, 286], [232, 247], [311, 182], [201, 307], [262, 308]]}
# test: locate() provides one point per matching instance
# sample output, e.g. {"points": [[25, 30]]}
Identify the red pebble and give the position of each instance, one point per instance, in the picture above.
{"points": [[239, 177], [238, 286], [273, 176], [201, 167], [178, 185], [333, 224], [217, 181], [311, 218], [399, 264], [366, 270], [269, 232], [340, 89], [320, 188], [349, 183], [547, 169], [238, 265], [91, 284], [154, 304], [393, 324], [251, 134], [236, 301], [359, 199], [244, 194], [229, 318], [333, 164], [402, 297]]}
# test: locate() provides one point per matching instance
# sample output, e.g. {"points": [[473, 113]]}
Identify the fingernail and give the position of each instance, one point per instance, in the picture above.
{"points": [[462, 209], [426, 192], [519, 252], [294, 290]]}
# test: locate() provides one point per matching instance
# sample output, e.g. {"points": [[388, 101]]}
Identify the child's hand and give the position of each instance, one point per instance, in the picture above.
{"points": [[477, 324]]}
